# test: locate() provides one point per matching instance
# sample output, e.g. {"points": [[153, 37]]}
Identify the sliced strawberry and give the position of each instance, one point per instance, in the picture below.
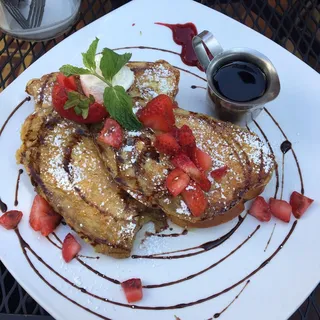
{"points": [[299, 204], [183, 162], [42, 217], [67, 82], [260, 209], [166, 143], [177, 181], [186, 137], [111, 134], [132, 289], [195, 199], [70, 248], [280, 209], [201, 159], [10, 219], [158, 114], [219, 173]]}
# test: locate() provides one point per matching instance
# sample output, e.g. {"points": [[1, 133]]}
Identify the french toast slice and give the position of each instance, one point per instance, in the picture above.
{"points": [[66, 169], [142, 171], [152, 79]]}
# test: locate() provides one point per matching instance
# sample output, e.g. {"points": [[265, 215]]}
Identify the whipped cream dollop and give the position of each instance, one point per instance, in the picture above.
{"points": [[94, 86]]}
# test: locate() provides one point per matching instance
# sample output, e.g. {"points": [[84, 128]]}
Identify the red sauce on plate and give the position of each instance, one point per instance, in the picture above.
{"points": [[182, 35]]}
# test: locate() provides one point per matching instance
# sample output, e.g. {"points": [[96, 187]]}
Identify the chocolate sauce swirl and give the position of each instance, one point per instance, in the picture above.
{"points": [[3, 206], [16, 202]]}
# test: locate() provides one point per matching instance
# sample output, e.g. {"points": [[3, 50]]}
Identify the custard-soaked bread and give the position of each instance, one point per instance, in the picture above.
{"points": [[65, 167], [142, 171]]}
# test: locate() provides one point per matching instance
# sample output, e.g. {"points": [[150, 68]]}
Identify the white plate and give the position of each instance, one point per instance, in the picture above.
{"points": [[274, 292]]}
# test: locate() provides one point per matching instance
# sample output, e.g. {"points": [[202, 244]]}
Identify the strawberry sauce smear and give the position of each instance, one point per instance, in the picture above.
{"points": [[183, 35]]}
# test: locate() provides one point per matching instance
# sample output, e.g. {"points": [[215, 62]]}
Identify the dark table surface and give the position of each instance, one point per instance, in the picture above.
{"points": [[294, 24]]}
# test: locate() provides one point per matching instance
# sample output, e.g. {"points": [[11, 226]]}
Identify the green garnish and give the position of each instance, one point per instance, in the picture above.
{"points": [[79, 102], [117, 102]]}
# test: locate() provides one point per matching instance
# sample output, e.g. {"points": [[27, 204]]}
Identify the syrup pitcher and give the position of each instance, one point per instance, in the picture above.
{"points": [[240, 80]]}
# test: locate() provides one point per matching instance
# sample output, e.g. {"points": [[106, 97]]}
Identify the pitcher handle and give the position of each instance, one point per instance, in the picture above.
{"points": [[203, 40]]}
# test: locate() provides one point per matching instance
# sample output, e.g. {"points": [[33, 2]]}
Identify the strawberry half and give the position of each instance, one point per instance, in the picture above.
{"points": [[132, 289], [10, 219], [177, 181], [42, 217], [111, 134], [260, 209], [70, 248], [158, 114], [280, 209], [67, 82], [166, 143], [186, 137], [299, 204], [183, 162], [219, 173], [201, 159], [195, 199]]}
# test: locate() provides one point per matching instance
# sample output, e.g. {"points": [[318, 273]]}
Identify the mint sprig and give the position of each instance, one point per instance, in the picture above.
{"points": [[116, 100], [79, 102]]}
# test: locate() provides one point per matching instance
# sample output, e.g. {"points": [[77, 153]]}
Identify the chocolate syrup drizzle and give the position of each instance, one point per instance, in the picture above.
{"points": [[218, 314], [285, 147], [24, 245], [16, 202], [12, 113], [115, 281], [272, 152], [3, 206], [293, 152], [204, 247], [197, 87], [267, 245]]}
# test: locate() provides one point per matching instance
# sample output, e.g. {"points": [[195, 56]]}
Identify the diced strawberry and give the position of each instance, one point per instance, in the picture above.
{"points": [[201, 159], [70, 248], [158, 114], [299, 204], [177, 181], [260, 209], [10, 219], [219, 173], [195, 199], [183, 162], [280, 209], [186, 137], [111, 134], [132, 289], [42, 217], [175, 132], [166, 143], [68, 82]]}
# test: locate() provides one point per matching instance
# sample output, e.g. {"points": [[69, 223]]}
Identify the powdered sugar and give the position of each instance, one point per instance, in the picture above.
{"points": [[157, 77], [183, 209]]}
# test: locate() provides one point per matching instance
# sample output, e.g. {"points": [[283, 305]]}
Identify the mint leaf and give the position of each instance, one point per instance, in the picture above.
{"points": [[111, 63], [119, 105], [88, 57], [69, 70]]}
